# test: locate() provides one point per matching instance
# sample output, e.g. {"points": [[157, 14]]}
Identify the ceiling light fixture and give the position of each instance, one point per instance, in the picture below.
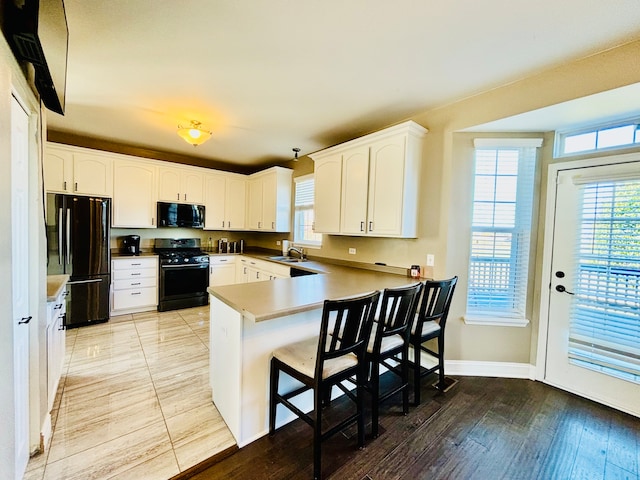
{"points": [[296, 150], [194, 134]]}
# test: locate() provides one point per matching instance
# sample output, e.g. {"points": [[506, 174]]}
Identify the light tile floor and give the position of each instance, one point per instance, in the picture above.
{"points": [[134, 401]]}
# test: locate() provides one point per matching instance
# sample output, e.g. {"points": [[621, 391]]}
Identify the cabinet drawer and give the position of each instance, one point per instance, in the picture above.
{"points": [[135, 273], [221, 260], [137, 263], [134, 297], [134, 283]]}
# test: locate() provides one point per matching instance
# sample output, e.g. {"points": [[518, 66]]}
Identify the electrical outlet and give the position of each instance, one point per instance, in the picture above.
{"points": [[277, 242], [431, 260], [352, 251], [224, 240]]}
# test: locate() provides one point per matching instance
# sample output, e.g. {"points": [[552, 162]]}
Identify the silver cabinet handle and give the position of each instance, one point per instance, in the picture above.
{"points": [[25, 320], [76, 186], [79, 282], [136, 293], [273, 225], [371, 226], [222, 223], [362, 226], [64, 185], [178, 197]]}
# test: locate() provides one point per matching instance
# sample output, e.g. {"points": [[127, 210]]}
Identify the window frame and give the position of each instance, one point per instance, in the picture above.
{"points": [[298, 209], [562, 135], [498, 316]]}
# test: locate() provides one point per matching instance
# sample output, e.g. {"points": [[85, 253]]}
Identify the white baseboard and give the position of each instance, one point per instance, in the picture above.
{"points": [[475, 368]]}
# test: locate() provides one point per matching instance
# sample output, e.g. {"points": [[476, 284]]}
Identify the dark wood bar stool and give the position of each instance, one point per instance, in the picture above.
{"points": [[322, 362], [390, 339], [430, 323]]}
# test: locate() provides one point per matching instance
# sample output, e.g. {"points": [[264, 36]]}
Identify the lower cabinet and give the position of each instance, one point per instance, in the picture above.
{"points": [[56, 311], [253, 270], [222, 270], [134, 286]]}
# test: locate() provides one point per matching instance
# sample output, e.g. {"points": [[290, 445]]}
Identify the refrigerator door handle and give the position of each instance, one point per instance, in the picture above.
{"points": [[60, 242], [68, 243], [78, 282]]}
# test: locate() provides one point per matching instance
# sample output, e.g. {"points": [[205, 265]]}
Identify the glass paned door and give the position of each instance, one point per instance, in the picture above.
{"points": [[593, 342]]}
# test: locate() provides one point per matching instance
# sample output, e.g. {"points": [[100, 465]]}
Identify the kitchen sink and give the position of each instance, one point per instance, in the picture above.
{"points": [[282, 258]]}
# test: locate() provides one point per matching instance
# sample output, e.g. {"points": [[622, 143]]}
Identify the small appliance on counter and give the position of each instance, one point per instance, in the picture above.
{"points": [[131, 245]]}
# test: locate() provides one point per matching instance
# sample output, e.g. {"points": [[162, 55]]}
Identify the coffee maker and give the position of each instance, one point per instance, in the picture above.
{"points": [[131, 244]]}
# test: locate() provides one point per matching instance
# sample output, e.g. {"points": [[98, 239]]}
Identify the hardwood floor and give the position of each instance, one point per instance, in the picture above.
{"points": [[483, 428]]}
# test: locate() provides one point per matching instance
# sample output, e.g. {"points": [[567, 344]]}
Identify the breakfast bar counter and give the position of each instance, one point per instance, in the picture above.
{"points": [[250, 320]]}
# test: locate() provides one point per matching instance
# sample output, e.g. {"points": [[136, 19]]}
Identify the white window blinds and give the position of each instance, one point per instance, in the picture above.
{"points": [[303, 233], [605, 320], [500, 231]]}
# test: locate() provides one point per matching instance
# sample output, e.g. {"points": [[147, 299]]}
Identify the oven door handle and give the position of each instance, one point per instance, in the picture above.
{"points": [[200, 265]]}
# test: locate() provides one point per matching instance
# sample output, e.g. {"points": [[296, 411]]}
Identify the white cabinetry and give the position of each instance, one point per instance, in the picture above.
{"points": [[134, 194], [253, 270], [134, 284], [379, 181], [225, 201], [222, 270], [269, 207], [328, 194], [75, 170], [56, 311], [182, 185]]}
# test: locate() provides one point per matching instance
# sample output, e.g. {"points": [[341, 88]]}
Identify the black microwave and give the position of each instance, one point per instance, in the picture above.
{"points": [[180, 215]]}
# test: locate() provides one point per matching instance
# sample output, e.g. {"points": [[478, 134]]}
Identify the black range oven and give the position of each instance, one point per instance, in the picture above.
{"points": [[184, 273]]}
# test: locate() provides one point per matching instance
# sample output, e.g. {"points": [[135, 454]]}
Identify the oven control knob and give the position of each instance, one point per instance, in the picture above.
{"points": [[186, 260]]}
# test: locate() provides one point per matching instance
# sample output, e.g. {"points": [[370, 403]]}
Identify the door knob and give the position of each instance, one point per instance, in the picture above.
{"points": [[562, 289]]}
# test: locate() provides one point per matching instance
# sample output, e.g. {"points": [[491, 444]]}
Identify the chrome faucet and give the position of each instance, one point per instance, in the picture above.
{"points": [[299, 251]]}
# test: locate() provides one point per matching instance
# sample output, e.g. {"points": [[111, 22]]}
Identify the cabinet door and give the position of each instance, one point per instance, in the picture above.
{"points": [[242, 271], [386, 186], [192, 187], [92, 175], [269, 201], [169, 185], [215, 198], [134, 202], [222, 275], [58, 171], [328, 188], [235, 203], [254, 215], [355, 178]]}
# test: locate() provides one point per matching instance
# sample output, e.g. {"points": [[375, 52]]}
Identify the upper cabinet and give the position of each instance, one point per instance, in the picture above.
{"points": [[76, 170], [225, 201], [375, 178], [181, 185], [134, 194], [269, 200]]}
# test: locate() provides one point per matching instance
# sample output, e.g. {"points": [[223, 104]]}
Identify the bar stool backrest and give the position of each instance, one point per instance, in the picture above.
{"points": [[345, 328]]}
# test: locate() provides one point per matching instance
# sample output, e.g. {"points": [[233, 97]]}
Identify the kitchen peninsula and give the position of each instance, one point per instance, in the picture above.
{"points": [[248, 321]]}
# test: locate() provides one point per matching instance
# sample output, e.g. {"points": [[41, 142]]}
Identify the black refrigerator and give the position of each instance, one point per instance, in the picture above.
{"points": [[78, 245]]}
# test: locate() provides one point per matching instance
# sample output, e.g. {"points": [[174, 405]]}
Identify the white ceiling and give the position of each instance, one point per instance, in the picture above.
{"points": [[269, 75]]}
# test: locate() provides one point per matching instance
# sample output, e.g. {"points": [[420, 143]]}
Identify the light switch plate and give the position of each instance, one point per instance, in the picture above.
{"points": [[430, 260], [352, 251]]}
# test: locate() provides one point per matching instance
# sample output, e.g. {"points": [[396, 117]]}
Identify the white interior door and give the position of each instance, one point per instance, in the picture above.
{"points": [[20, 279], [593, 341]]}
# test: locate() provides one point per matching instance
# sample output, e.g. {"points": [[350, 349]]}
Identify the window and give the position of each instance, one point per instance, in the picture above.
{"points": [[607, 137], [303, 233], [604, 331], [501, 231]]}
